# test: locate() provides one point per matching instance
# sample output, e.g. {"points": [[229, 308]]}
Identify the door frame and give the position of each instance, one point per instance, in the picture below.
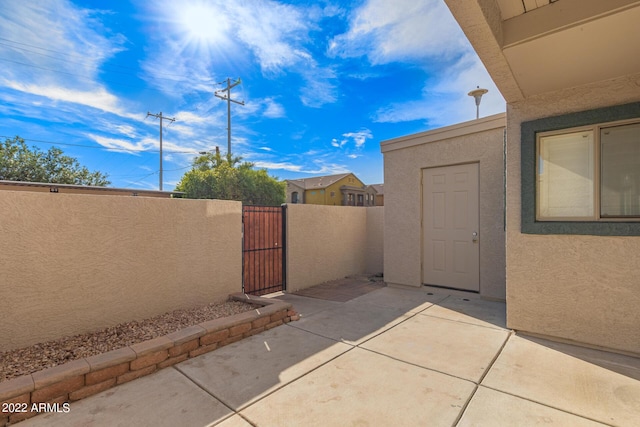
{"points": [[422, 230]]}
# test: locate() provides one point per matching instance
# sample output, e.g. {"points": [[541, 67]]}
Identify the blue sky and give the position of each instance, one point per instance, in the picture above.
{"points": [[323, 82]]}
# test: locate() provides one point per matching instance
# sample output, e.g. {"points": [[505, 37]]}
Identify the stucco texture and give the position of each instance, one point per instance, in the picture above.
{"points": [[330, 242], [76, 263], [574, 287], [375, 240], [404, 161]]}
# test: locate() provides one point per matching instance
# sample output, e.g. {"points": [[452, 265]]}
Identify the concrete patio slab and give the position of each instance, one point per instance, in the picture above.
{"points": [[165, 398], [342, 290], [570, 378], [492, 408], [455, 348], [241, 373], [407, 300], [491, 314], [353, 322], [235, 421], [363, 388], [411, 368], [306, 306]]}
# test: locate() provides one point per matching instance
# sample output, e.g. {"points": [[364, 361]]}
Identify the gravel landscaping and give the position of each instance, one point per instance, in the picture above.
{"points": [[27, 360]]}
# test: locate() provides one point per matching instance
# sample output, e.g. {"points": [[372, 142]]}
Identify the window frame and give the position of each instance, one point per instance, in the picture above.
{"points": [[596, 154], [602, 117]]}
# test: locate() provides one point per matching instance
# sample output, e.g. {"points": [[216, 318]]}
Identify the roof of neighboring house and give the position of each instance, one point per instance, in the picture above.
{"points": [[379, 188], [87, 189], [318, 181]]}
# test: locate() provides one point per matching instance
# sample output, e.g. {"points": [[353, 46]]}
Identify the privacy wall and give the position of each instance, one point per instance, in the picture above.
{"points": [[76, 263], [330, 242]]}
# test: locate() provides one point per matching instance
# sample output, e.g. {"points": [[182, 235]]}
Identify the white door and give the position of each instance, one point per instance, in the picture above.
{"points": [[450, 218]]}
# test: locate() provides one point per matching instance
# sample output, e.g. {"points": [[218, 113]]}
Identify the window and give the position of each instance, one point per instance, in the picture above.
{"points": [[620, 171], [333, 194], [360, 200], [579, 173], [589, 174], [565, 179], [294, 197]]}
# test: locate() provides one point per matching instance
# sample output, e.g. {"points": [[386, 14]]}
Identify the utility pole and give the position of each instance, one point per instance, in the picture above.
{"points": [[161, 117], [227, 96]]}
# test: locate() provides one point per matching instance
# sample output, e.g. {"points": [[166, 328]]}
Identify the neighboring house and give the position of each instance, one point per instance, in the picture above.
{"points": [[343, 189], [45, 187], [379, 193], [569, 71]]}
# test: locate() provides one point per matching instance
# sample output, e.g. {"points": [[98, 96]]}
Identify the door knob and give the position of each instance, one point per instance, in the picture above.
{"points": [[475, 236]]}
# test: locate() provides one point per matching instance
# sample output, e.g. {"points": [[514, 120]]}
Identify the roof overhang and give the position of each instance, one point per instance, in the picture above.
{"points": [[551, 45]]}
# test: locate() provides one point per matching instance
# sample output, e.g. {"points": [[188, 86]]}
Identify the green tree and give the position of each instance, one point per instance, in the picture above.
{"points": [[19, 163], [216, 177]]}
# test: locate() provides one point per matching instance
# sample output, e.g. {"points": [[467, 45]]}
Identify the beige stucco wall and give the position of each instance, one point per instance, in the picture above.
{"points": [[580, 288], [375, 240], [75, 263], [478, 141], [329, 242]]}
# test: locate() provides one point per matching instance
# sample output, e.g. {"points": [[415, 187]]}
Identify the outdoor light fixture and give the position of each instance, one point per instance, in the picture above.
{"points": [[477, 94]]}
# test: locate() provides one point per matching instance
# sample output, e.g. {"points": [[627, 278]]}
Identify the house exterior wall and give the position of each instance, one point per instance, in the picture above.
{"points": [[315, 196], [291, 188], [330, 242], [580, 288], [95, 261], [322, 196], [405, 158]]}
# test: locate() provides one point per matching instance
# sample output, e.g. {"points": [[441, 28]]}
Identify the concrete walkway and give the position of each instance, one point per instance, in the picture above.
{"points": [[389, 357]]}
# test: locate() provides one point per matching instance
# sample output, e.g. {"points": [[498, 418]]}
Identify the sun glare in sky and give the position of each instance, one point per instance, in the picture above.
{"points": [[201, 23], [323, 82]]}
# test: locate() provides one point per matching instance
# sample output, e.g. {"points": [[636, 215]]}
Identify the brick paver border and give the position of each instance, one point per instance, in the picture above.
{"points": [[81, 378]]}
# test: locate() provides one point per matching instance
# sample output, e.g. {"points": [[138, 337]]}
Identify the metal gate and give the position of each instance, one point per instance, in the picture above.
{"points": [[264, 252]]}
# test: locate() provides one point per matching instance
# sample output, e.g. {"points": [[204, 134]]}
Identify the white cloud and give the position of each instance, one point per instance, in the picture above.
{"points": [[126, 130], [98, 98], [317, 167], [273, 110], [122, 145], [51, 39], [320, 88], [423, 34], [444, 100], [359, 138], [395, 30], [268, 28], [279, 166]]}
